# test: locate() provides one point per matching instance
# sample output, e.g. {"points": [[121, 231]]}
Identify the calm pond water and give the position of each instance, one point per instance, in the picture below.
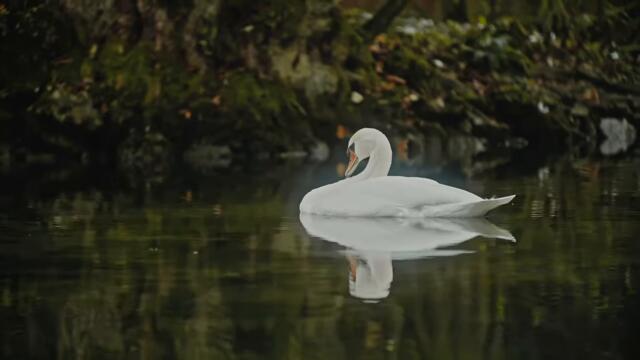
{"points": [[220, 266]]}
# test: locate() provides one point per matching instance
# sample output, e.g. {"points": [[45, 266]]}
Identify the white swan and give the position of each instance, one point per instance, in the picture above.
{"points": [[373, 193]]}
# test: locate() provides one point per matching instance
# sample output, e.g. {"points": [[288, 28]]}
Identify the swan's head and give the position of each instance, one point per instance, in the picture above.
{"points": [[361, 146]]}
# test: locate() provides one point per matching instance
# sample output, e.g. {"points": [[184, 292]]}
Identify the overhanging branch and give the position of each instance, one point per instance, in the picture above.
{"points": [[384, 17]]}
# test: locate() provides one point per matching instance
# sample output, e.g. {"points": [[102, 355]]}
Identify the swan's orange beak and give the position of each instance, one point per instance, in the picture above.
{"points": [[353, 163]]}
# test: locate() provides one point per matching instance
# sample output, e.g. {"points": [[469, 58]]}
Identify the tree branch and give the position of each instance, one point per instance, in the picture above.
{"points": [[384, 17]]}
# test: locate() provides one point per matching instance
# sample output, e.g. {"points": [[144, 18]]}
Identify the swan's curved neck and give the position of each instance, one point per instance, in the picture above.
{"points": [[379, 160]]}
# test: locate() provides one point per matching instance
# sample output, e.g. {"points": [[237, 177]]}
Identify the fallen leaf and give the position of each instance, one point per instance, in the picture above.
{"points": [[479, 87], [438, 103], [396, 79], [186, 113], [591, 95], [402, 149], [342, 132], [356, 97], [387, 86], [93, 50], [408, 99], [375, 48], [382, 38], [120, 81]]}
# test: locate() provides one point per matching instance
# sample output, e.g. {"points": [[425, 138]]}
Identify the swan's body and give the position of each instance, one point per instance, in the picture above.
{"points": [[373, 193]]}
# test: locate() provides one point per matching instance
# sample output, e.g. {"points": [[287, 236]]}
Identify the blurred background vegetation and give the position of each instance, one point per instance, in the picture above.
{"points": [[144, 83]]}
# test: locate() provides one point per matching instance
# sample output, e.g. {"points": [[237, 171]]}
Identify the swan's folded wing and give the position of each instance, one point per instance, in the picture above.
{"points": [[396, 196], [464, 209], [393, 193]]}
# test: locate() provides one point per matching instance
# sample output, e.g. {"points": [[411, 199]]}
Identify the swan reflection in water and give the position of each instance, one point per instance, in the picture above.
{"points": [[374, 243]]}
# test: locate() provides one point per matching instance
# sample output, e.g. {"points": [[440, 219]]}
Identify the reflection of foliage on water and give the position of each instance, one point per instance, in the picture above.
{"points": [[220, 274]]}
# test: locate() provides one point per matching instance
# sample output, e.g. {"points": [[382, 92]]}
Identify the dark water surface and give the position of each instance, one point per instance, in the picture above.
{"points": [[220, 267]]}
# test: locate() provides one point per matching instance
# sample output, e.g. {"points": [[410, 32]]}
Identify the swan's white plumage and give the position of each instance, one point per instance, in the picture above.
{"points": [[372, 193]]}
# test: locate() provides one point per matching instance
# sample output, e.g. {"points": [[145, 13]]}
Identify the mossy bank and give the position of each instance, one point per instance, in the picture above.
{"points": [[144, 84]]}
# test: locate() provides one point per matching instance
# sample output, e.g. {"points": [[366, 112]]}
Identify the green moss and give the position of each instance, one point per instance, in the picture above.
{"points": [[263, 100], [265, 110]]}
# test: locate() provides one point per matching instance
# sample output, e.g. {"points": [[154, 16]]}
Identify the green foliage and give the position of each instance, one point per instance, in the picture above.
{"points": [[258, 23], [278, 71], [263, 100], [67, 105], [33, 35], [264, 109]]}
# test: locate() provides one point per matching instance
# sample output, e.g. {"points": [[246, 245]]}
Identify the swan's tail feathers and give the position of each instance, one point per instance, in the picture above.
{"points": [[500, 201], [466, 209], [482, 207]]}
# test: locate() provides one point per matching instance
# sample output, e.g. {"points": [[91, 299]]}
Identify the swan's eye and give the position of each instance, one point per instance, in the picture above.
{"points": [[351, 148]]}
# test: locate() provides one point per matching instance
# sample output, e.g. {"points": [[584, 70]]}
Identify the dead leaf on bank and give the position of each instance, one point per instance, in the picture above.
{"points": [[591, 95], [356, 97], [186, 113], [409, 122], [379, 45], [63, 61], [387, 86], [409, 99], [93, 51], [438, 103], [379, 67], [120, 81], [402, 148], [480, 88], [396, 79], [216, 100], [342, 132]]}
